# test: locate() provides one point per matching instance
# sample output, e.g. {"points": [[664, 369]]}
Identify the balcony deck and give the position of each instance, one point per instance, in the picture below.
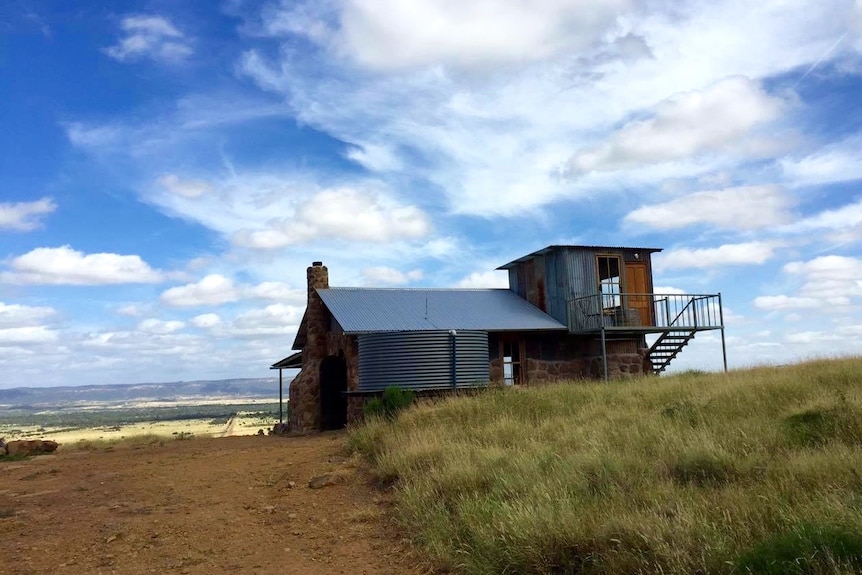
{"points": [[644, 313], [675, 317]]}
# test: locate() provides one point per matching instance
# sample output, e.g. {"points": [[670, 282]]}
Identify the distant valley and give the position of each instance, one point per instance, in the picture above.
{"points": [[119, 395]]}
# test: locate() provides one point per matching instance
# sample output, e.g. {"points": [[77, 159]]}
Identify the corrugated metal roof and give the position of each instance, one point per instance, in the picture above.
{"points": [[365, 310], [544, 251]]}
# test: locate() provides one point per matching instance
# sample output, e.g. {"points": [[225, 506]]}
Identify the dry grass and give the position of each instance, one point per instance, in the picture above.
{"points": [[751, 471]]}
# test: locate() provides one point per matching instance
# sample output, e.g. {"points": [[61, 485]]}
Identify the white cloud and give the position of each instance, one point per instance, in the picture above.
{"points": [[275, 315], [782, 302], [217, 289], [749, 253], [17, 315], [27, 335], [186, 188], [742, 208], [494, 143], [808, 337], [206, 320], [278, 291], [844, 223], [24, 216], [828, 283], [829, 277], [150, 37], [489, 279], [273, 320], [130, 310], [158, 326], [480, 34], [837, 162], [721, 118], [375, 157], [65, 266], [669, 290], [114, 346], [377, 275], [98, 136], [213, 289], [342, 213]]}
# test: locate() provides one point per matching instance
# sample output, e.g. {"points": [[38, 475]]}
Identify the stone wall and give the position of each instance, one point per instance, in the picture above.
{"points": [[568, 358]]}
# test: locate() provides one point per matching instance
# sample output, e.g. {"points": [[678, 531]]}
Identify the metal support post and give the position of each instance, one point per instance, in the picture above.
{"points": [[723, 345], [280, 397]]}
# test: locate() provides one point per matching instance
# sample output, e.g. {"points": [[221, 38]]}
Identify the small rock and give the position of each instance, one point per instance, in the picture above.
{"points": [[268, 509], [325, 480], [291, 484], [111, 538]]}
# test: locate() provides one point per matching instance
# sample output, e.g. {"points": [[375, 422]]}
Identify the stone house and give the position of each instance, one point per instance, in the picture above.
{"points": [[570, 312]]}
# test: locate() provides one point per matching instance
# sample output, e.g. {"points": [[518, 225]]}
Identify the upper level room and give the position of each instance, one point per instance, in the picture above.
{"points": [[605, 287]]}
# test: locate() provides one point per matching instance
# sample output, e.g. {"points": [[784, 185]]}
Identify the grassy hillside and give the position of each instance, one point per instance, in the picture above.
{"points": [[753, 471]]}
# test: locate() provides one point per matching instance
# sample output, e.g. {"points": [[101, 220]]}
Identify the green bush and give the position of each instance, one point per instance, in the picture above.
{"points": [[684, 411], [810, 549], [393, 401], [702, 469], [816, 427]]}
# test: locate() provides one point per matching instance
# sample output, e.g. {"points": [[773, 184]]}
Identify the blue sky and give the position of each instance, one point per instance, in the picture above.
{"points": [[169, 169]]}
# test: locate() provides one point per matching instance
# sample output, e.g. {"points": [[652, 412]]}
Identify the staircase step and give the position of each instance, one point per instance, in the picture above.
{"points": [[667, 347]]}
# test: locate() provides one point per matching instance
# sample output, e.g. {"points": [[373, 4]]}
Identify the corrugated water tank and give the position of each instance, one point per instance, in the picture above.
{"points": [[422, 360]]}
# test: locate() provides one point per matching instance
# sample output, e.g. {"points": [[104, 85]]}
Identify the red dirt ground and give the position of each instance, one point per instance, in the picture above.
{"points": [[200, 506]]}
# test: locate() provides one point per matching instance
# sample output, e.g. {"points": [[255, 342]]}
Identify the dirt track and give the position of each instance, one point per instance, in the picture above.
{"points": [[206, 506]]}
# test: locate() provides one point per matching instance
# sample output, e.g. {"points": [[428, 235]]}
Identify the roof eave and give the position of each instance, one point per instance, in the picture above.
{"points": [[548, 249]]}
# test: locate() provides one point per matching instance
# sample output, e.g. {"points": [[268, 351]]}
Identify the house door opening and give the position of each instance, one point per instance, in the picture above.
{"points": [[511, 350], [333, 393], [636, 283]]}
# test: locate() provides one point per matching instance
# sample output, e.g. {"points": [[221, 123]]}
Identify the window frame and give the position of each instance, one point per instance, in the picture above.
{"points": [[610, 292]]}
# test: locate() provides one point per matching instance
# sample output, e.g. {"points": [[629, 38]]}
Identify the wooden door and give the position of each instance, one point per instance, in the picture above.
{"points": [[637, 282]]}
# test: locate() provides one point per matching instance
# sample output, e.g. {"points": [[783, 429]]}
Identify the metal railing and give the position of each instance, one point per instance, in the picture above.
{"points": [[627, 310]]}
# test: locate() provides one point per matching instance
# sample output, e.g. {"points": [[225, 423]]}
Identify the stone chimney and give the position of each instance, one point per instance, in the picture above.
{"points": [[315, 313], [305, 389], [318, 277]]}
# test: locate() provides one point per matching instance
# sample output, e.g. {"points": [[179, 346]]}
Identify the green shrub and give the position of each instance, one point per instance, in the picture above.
{"points": [[809, 549], [703, 469], [390, 404], [816, 427], [684, 411]]}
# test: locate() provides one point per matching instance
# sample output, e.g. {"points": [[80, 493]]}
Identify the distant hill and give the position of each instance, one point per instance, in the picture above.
{"points": [[118, 394]]}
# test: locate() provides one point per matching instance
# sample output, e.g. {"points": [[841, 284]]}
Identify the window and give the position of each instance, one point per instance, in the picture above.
{"points": [[511, 362], [610, 284]]}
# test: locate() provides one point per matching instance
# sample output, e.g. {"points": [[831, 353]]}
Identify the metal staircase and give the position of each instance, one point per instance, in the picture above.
{"points": [[675, 318], [667, 347]]}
